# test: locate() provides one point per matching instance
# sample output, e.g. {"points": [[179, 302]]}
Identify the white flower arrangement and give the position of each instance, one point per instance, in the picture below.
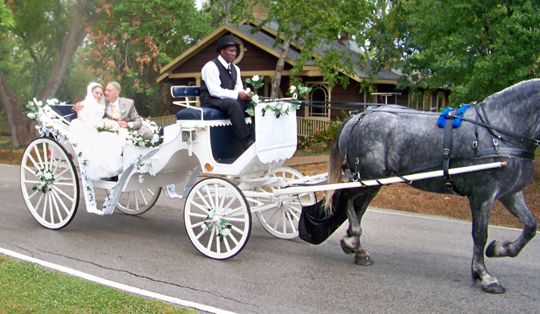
{"points": [[223, 227], [47, 179], [107, 125], [136, 139], [34, 105], [278, 107]]}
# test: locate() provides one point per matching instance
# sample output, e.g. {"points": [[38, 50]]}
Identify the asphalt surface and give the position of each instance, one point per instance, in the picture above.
{"points": [[422, 263]]}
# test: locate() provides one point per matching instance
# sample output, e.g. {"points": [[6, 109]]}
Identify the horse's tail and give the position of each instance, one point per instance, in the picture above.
{"points": [[334, 172]]}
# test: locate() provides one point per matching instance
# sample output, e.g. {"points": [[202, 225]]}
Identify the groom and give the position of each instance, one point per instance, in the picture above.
{"points": [[123, 110]]}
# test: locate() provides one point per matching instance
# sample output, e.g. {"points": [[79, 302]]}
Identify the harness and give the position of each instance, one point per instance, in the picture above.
{"points": [[455, 116]]}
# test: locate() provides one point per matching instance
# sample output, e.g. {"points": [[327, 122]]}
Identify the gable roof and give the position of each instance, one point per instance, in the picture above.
{"points": [[264, 39]]}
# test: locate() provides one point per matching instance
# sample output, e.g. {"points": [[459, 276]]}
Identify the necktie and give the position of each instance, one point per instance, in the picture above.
{"points": [[114, 112], [229, 69]]}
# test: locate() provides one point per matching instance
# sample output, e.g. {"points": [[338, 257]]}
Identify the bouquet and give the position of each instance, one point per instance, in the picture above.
{"points": [[107, 125]]}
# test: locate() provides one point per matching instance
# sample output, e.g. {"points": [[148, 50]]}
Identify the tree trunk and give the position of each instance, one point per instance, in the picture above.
{"points": [[18, 124], [276, 81], [225, 6], [73, 40]]}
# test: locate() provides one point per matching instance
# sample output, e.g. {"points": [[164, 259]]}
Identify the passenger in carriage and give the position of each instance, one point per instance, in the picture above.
{"points": [[102, 150], [222, 88]]}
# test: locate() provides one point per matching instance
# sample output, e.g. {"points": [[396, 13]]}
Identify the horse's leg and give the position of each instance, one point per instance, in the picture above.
{"points": [[351, 242], [480, 209], [356, 208], [516, 205]]}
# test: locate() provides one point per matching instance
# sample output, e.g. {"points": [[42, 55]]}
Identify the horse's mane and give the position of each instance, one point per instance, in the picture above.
{"points": [[515, 93]]}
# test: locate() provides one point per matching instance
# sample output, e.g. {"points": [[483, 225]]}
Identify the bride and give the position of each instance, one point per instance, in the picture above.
{"points": [[99, 140]]}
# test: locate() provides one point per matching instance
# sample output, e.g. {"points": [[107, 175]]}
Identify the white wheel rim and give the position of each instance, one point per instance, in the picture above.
{"points": [[282, 220], [213, 202], [138, 202], [55, 204]]}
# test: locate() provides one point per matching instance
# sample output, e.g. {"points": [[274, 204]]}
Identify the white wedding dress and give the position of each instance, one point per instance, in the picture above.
{"points": [[101, 150]]}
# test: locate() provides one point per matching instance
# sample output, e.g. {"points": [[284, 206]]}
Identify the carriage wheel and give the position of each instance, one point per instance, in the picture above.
{"points": [[282, 220], [217, 218], [138, 202], [49, 183]]}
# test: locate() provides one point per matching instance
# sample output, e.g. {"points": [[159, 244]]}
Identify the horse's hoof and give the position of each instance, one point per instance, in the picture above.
{"points": [[346, 248], [491, 250], [494, 288], [363, 259]]}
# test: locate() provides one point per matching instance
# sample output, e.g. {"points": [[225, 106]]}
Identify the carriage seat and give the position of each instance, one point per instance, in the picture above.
{"points": [[207, 112], [226, 154], [65, 112]]}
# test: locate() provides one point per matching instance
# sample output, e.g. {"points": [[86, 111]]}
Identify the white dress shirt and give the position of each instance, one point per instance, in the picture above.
{"points": [[210, 75]]}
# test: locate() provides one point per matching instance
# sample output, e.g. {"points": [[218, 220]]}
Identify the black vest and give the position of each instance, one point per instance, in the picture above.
{"points": [[228, 81]]}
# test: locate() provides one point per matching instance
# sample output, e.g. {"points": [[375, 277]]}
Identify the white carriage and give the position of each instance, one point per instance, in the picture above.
{"points": [[221, 185]]}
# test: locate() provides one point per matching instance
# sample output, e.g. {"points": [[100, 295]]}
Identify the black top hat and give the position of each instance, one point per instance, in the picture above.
{"points": [[225, 42]]}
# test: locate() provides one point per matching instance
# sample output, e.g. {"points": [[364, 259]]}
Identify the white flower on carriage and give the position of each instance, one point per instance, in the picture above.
{"points": [[31, 115], [292, 89], [285, 107], [155, 138], [48, 175], [255, 98], [38, 103], [255, 78], [225, 232]]}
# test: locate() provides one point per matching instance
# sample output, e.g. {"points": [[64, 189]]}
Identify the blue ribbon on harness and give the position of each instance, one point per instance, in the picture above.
{"points": [[457, 121]]}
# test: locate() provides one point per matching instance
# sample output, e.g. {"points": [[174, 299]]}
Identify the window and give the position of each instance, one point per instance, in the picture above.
{"points": [[320, 98]]}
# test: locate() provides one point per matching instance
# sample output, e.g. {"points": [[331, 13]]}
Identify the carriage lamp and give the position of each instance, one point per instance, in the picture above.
{"points": [[208, 167], [189, 136]]}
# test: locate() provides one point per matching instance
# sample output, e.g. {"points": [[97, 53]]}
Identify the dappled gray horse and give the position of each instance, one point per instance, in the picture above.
{"points": [[394, 140]]}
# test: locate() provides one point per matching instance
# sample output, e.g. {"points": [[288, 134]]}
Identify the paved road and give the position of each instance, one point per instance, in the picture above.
{"points": [[422, 264]]}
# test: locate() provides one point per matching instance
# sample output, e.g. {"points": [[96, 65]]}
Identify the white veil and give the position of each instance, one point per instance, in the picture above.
{"points": [[90, 98], [92, 110]]}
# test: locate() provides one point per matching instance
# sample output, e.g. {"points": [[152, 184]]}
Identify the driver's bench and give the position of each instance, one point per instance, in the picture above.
{"points": [[226, 146]]}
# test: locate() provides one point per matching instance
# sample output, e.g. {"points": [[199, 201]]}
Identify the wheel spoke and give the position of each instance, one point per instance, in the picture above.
{"points": [[139, 201], [281, 220]]}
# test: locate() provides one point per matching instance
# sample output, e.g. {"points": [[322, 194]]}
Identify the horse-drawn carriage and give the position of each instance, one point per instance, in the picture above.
{"points": [[217, 212], [381, 146]]}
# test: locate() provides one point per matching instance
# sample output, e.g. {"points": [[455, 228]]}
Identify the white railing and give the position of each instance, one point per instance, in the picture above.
{"points": [[307, 126]]}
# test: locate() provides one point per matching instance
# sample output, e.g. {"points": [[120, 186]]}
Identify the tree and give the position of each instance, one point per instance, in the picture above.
{"points": [[313, 26], [136, 39], [46, 34], [475, 48]]}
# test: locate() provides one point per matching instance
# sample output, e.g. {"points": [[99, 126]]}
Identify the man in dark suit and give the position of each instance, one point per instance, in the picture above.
{"points": [[222, 88]]}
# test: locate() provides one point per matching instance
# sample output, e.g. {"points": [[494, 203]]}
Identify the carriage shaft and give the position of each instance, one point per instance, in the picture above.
{"points": [[402, 179]]}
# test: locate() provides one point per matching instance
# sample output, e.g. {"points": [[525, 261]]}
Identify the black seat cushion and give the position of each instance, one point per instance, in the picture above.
{"points": [[195, 114]]}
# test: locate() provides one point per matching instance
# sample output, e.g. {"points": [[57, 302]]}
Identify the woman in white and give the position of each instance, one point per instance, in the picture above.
{"points": [[101, 149]]}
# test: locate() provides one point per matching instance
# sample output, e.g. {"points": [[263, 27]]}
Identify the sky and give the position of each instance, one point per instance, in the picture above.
{"points": [[199, 3]]}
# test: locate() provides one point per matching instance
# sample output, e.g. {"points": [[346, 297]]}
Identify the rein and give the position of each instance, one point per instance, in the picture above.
{"points": [[491, 127]]}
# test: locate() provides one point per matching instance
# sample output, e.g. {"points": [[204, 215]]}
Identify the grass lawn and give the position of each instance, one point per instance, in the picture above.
{"points": [[29, 288]]}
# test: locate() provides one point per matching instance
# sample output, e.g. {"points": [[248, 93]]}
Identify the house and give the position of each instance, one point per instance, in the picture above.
{"points": [[257, 56]]}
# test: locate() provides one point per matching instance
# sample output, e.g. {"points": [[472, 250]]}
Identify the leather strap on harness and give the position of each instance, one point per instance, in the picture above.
{"points": [[447, 148]]}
